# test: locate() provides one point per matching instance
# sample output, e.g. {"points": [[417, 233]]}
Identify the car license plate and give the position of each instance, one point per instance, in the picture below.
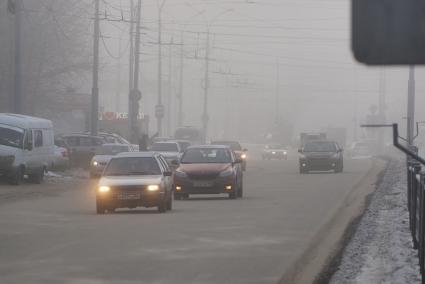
{"points": [[202, 184], [128, 196]]}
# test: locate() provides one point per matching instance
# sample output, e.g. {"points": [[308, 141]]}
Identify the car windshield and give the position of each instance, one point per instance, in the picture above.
{"points": [[191, 134], [111, 149], [165, 147], [11, 136], [235, 146], [320, 147], [206, 156], [274, 147], [183, 145], [132, 166]]}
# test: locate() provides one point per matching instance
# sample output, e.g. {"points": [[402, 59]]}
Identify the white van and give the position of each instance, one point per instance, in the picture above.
{"points": [[26, 147]]}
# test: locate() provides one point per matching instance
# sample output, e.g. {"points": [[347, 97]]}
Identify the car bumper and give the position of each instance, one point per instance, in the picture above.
{"points": [[319, 164], [216, 186], [130, 199]]}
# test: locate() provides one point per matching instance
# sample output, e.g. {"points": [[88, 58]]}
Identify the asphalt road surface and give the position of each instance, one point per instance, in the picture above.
{"points": [[57, 237]]}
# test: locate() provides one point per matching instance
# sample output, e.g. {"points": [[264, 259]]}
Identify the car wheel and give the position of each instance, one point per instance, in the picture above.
{"points": [[100, 208], [17, 176], [162, 206], [170, 203], [37, 177], [240, 191]]}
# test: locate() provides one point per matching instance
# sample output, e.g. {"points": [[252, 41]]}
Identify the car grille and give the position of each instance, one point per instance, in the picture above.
{"points": [[127, 191], [203, 176]]}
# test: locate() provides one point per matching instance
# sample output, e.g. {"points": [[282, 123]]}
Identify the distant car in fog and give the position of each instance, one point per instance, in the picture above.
{"points": [[104, 154], [237, 148], [360, 150], [321, 156], [192, 134], [274, 151]]}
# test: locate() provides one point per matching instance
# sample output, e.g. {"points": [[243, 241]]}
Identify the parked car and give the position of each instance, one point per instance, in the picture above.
{"points": [[83, 147], [60, 158], [135, 179], [321, 156], [170, 150], [211, 169], [360, 150], [26, 147], [104, 154], [113, 138], [237, 148], [274, 151]]}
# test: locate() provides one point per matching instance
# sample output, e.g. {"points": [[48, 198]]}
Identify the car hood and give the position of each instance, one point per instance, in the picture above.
{"points": [[202, 168], [170, 154], [102, 158], [8, 151], [129, 180]]}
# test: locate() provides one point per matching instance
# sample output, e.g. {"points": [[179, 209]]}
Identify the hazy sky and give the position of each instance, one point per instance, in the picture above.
{"points": [[320, 85]]}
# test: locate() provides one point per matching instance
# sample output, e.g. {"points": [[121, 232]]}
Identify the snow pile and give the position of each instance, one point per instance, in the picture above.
{"points": [[381, 250]]}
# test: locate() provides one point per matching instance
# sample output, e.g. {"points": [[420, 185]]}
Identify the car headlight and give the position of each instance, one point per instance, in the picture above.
{"points": [[274, 153], [104, 188], [153, 187], [95, 163], [180, 174], [285, 153], [243, 156], [226, 173]]}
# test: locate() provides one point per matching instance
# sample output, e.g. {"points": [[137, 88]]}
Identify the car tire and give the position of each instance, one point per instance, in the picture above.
{"points": [[37, 177], [17, 176], [170, 203], [162, 206], [240, 190], [100, 208]]}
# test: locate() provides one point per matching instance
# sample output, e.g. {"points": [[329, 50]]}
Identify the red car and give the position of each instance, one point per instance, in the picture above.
{"points": [[211, 169]]}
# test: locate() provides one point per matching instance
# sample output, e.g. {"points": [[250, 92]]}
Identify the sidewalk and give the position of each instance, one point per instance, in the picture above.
{"points": [[381, 250]]}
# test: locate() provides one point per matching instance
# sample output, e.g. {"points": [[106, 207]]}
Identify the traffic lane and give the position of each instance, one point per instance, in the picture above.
{"points": [[253, 240]]}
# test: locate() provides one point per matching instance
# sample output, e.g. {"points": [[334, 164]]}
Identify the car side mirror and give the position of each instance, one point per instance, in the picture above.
{"points": [[168, 174]]}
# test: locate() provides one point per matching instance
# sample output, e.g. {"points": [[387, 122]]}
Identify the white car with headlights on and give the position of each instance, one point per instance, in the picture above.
{"points": [[135, 179]]}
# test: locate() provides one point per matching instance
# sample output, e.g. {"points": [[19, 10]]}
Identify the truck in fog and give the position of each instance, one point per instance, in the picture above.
{"points": [[309, 137]]}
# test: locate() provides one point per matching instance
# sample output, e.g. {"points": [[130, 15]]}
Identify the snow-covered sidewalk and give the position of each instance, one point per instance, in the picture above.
{"points": [[381, 250]]}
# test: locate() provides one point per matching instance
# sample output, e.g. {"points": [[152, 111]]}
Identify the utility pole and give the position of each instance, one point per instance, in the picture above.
{"points": [[411, 106], [277, 97], [95, 87], [205, 116], [382, 106], [136, 95], [17, 99], [131, 66], [169, 96], [159, 108], [118, 79], [180, 94]]}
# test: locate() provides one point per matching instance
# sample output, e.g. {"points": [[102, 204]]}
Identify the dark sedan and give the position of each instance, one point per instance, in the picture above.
{"points": [[321, 156], [209, 169]]}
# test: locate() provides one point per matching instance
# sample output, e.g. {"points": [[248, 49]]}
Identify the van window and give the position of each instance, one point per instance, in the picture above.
{"points": [[11, 136], [38, 138]]}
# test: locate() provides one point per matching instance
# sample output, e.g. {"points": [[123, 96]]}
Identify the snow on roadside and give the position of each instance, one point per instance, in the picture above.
{"points": [[381, 250]]}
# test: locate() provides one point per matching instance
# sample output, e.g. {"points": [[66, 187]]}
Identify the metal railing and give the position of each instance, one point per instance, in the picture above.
{"points": [[415, 194]]}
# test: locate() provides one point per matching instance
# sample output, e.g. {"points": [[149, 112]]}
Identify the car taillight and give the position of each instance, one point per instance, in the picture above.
{"points": [[65, 154]]}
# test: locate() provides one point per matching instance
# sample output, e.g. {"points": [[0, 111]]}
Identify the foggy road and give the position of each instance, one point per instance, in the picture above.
{"points": [[59, 238]]}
